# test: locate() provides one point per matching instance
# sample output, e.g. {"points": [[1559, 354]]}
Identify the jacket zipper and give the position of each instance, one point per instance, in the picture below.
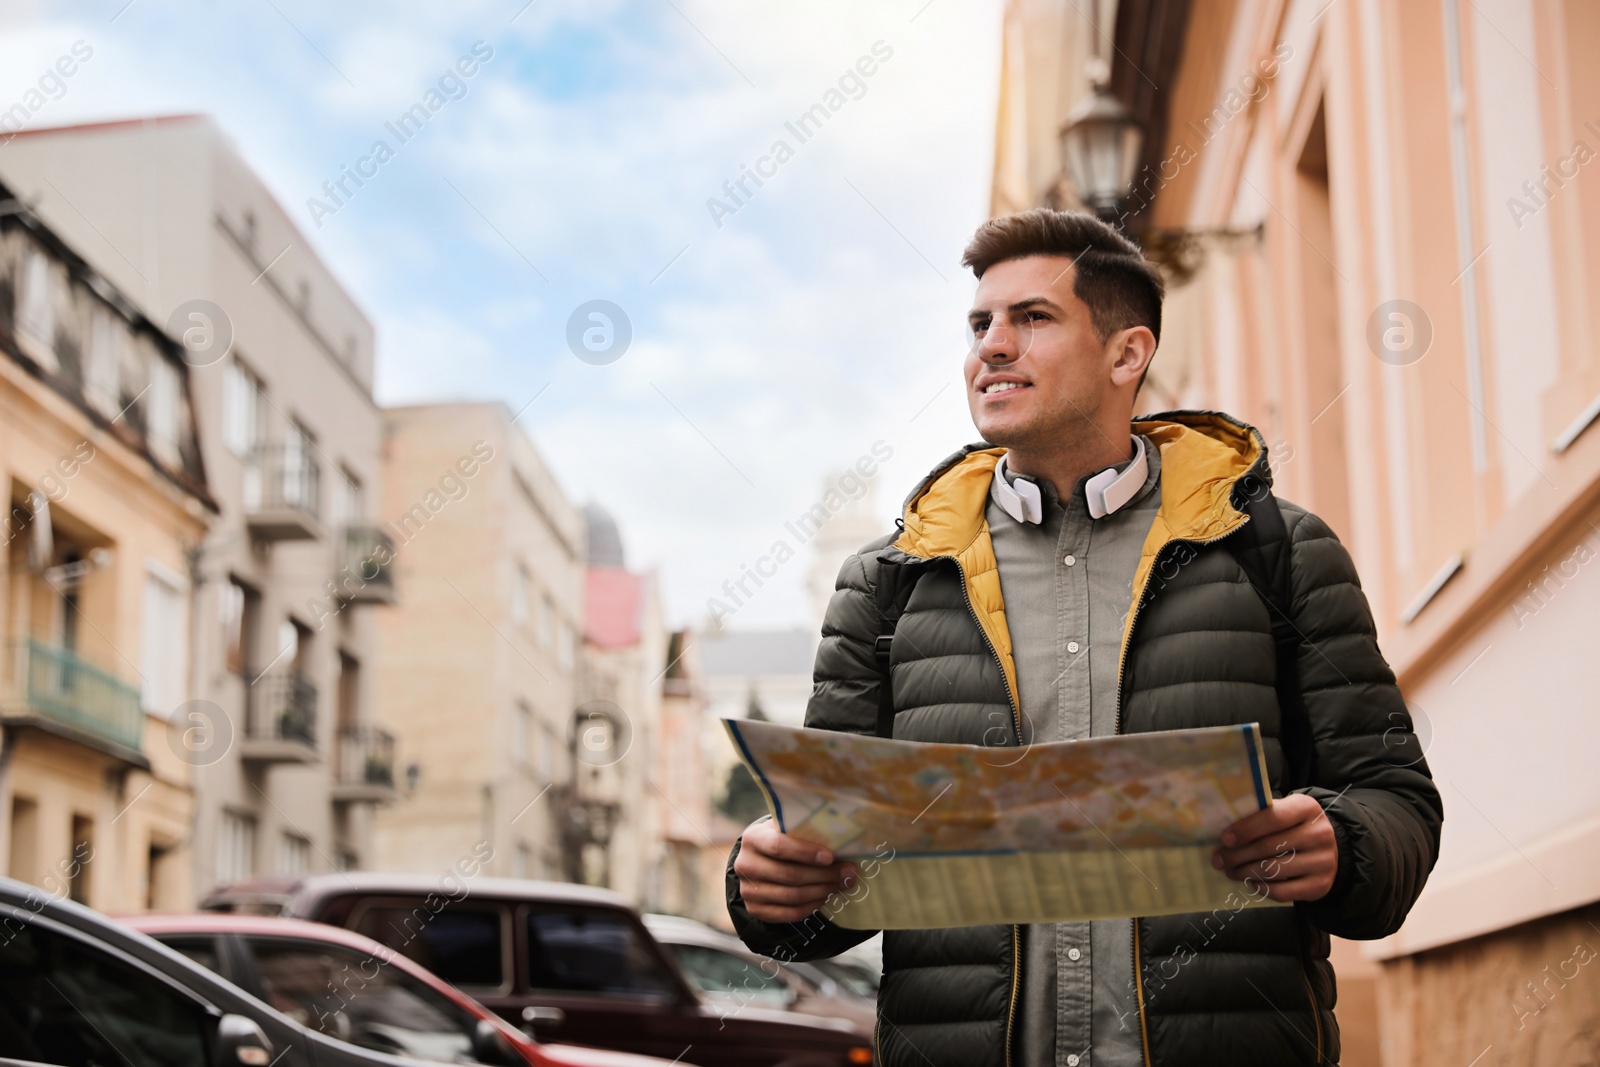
{"points": [[1016, 726], [1122, 666]]}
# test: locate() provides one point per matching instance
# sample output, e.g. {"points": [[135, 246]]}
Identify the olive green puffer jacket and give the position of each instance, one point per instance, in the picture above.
{"points": [[1252, 987]]}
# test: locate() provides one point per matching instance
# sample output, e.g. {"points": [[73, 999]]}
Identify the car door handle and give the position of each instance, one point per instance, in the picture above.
{"points": [[542, 1015]]}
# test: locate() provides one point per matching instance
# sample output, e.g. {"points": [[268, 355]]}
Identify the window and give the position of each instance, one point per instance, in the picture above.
{"points": [[727, 974], [585, 951], [82, 856], [236, 848], [162, 642], [546, 757], [545, 630], [103, 378], [202, 950], [348, 506], [70, 1003], [242, 401], [522, 735], [521, 593], [36, 316], [162, 409], [353, 997], [294, 854], [462, 945], [299, 469], [566, 638], [239, 611]]}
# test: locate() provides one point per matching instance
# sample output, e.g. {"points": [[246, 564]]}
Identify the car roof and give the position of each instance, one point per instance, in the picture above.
{"points": [[302, 895], [676, 930], [222, 922]]}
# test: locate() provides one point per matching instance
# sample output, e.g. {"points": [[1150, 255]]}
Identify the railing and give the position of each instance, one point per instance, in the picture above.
{"points": [[367, 569], [60, 686], [283, 707], [280, 477], [366, 757]]}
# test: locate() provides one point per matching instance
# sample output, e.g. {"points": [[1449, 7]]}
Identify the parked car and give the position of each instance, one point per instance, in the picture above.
{"points": [[352, 988], [726, 971], [572, 963], [79, 990]]}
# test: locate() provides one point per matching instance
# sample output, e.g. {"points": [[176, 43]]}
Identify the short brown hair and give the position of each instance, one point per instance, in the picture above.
{"points": [[1112, 276]]}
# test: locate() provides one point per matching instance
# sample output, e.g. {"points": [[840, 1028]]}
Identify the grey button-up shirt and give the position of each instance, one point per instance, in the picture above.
{"points": [[1068, 585]]}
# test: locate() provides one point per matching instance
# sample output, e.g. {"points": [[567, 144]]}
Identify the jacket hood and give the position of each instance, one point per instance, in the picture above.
{"points": [[1204, 454]]}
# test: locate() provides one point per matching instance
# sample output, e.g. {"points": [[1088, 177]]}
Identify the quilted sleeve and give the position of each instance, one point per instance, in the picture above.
{"points": [[844, 696], [1367, 771]]}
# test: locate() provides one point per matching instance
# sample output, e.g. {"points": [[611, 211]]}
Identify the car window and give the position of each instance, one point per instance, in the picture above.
{"points": [[200, 949], [727, 974], [853, 977], [462, 945], [355, 997], [69, 1003], [591, 951]]}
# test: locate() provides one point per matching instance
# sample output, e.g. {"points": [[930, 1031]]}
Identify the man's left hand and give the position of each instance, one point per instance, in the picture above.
{"points": [[1288, 850]]}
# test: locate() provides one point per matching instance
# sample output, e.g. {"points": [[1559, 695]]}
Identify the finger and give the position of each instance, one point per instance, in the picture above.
{"points": [[1262, 848], [1274, 820], [768, 840], [1314, 888], [758, 868], [1305, 864], [788, 896], [769, 913]]}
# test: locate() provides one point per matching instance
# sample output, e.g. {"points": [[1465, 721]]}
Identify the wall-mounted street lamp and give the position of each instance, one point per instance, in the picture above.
{"points": [[1101, 143]]}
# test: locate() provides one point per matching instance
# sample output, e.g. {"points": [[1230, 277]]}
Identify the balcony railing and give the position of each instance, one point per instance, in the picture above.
{"points": [[283, 493], [366, 765], [366, 573], [60, 688], [281, 726]]}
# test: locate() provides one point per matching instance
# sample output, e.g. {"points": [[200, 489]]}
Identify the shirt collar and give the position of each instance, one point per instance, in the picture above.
{"points": [[1020, 497]]}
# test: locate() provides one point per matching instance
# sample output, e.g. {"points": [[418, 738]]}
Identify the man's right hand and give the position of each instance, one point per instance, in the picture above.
{"points": [[784, 879]]}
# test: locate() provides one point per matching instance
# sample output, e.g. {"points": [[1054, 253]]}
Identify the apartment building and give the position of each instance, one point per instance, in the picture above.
{"points": [[281, 377], [1380, 224], [478, 659], [106, 499], [613, 804]]}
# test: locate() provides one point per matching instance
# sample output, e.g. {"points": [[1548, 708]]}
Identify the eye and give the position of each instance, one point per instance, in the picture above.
{"points": [[1038, 316]]}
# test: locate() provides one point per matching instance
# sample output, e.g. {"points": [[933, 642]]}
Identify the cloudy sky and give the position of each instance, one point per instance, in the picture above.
{"points": [[775, 338]]}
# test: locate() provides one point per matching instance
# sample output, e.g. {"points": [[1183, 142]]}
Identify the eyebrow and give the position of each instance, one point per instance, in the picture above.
{"points": [[1020, 305]]}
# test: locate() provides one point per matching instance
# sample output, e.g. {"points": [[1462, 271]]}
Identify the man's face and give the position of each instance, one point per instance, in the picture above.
{"points": [[1036, 372]]}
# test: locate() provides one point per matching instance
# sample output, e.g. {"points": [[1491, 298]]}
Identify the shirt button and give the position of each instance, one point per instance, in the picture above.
{"points": [[1070, 559], [1074, 955], [1072, 1059], [1072, 646]]}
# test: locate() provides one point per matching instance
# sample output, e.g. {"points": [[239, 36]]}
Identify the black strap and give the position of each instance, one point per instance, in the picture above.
{"points": [[1262, 548], [893, 589]]}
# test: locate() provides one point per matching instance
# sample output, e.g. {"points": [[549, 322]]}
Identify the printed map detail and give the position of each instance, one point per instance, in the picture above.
{"points": [[1072, 830]]}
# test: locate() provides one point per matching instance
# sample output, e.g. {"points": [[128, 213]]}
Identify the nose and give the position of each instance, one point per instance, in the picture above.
{"points": [[998, 345]]}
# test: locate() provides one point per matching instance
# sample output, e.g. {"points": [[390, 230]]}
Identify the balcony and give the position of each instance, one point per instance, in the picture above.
{"points": [[366, 572], [64, 695], [281, 726], [365, 766], [282, 494]]}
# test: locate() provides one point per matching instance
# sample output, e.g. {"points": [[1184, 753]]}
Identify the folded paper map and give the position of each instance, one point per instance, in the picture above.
{"points": [[961, 835]]}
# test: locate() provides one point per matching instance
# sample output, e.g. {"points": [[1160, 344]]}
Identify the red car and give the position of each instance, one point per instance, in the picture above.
{"points": [[354, 989]]}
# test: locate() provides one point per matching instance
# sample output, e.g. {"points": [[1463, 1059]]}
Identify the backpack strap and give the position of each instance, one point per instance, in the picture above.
{"points": [[1262, 549], [893, 589]]}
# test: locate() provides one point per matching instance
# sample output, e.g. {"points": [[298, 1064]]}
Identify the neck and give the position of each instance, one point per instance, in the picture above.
{"points": [[1062, 462]]}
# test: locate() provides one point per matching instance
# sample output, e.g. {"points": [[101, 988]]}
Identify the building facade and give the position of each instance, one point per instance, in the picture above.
{"points": [[1379, 223], [479, 658], [281, 365], [105, 500]]}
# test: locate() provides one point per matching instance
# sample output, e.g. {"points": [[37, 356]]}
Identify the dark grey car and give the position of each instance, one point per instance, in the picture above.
{"points": [[78, 990]]}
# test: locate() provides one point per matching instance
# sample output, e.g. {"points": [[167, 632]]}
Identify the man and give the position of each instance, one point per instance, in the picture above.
{"points": [[1080, 574]]}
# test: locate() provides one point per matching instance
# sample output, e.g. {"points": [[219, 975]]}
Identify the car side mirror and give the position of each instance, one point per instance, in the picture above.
{"points": [[241, 1043], [489, 1045]]}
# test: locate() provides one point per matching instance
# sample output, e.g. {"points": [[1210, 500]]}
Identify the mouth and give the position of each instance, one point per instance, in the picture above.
{"points": [[998, 388]]}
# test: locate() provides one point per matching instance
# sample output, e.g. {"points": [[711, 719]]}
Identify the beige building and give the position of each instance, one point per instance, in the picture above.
{"points": [[282, 639], [1380, 224], [478, 660], [106, 497]]}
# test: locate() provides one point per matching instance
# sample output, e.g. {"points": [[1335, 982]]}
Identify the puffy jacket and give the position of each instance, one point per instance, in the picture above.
{"points": [[1252, 987]]}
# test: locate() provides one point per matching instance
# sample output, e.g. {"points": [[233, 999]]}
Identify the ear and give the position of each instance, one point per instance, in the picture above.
{"points": [[1131, 351]]}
